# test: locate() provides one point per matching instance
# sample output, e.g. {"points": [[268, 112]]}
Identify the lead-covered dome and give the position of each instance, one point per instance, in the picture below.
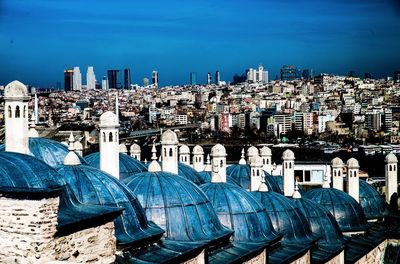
{"points": [[109, 119], [128, 166], [371, 201], [15, 89], [337, 162], [347, 212], [391, 158], [288, 155], [265, 151], [178, 206], [95, 187], [252, 151], [238, 210], [286, 217], [184, 149], [198, 150], [189, 173], [169, 137], [218, 151], [353, 163], [134, 148]]}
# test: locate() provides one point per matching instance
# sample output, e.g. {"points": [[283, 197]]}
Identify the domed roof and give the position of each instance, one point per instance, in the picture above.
{"points": [[353, 163], [198, 150], [321, 221], [128, 166], [286, 217], [288, 155], [184, 149], [347, 212], [189, 173], [178, 206], [134, 148], [238, 210], [371, 201], [50, 151], [15, 89], [72, 159], [337, 162], [169, 137], [265, 151], [391, 158], [278, 179], [252, 151], [109, 119], [93, 186], [218, 151], [123, 148], [241, 175]]}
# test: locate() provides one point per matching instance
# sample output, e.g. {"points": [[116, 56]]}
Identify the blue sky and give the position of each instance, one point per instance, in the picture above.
{"points": [[40, 38]]}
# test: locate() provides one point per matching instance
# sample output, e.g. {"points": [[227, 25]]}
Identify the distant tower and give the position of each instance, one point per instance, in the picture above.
{"points": [[218, 154], [337, 173], [113, 79], [109, 144], [390, 175], [36, 110], [104, 83], [266, 155], [90, 79], [288, 172], [209, 78], [260, 73], [353, 184], [198, 158], [154, 78], [127, 79], [145, 82], [256, 172], [169, 151], [217, 78], [16, 99], [68, 80], [184, 154], [193, 78], [135, 151], [77, 79]]}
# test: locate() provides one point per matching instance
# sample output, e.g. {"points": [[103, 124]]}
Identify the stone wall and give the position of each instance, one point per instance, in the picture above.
{"points": [[259, 259], [27, 235], [375, 255], [339, 259], [199, 259], [305, 259]]}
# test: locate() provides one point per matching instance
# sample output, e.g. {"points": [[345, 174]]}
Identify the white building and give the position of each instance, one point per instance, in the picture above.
{"points": [[257, 75], [77, 77], [90, 79]]}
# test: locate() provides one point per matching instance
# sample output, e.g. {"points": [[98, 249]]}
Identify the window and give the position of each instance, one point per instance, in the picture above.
{"points": [[17, 112], [104, 137], [290, 165], [170, 152], [9, 111], [110, 137], [221, 163], [165, 152], [24, 111]]}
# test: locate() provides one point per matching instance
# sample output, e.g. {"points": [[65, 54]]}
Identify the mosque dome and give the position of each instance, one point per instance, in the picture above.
{"points": [[50, 151], [241, 175], [169, 137], [391, 158], [15, 89], [198, 150], [265, 151], [252, 151], [134, 148], [286, 217], [128, 166], [218, 150], [371, 201], [184, 149], [353, 164], [95, 187], [238, 210], [347, 212], [288, 155], [189, 173], [109, 119], [337, 162], [178, 206]]}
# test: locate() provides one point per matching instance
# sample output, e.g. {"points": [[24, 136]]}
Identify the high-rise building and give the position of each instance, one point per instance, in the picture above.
{"points": [[90, 79], [113, 79], [396, 76], [289, 73], [257, 75], [68, 80], [209, 78], [104, 83], [145, 82], [193, 78], [217, 78], [154, 78], [127, 78], [77, 79], [308, 74]]}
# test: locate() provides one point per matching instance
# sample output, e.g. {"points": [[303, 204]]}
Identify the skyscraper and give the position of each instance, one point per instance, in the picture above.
{"points": [[127, 78], [217, 78], [289, 73], [154, 78], [193, 78], [209, 78], [113, 79], [90, 79], [77, 79], [257, 75], [396, 76], [104, 83], [145, 82], [68, 80]]}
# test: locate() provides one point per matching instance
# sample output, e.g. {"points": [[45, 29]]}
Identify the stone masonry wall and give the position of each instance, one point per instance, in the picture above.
{"points": [[305, 259], [375, 255], [259, 259], [339, 259], [199, 259]]}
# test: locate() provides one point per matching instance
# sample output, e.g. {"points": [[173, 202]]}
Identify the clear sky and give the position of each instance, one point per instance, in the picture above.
{"points": [[41, 38]]}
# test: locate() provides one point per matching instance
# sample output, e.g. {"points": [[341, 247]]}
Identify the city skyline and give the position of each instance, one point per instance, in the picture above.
{"points": [[202, 36]]}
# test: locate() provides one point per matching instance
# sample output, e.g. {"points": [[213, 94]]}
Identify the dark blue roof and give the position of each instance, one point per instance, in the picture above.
{"points": [[371, 201], [93, 186], [347, 212], [241, 174], [238, 210], [178, 206], [189, 173], [279, 180], [206, 177], [50, 151], [128, 165], [286, 217]]}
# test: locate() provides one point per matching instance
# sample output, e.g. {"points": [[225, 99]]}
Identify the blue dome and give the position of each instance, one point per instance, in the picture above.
{"points": [[50, 151], [206, 177], [286, 217], [93, 186], [189, 173], [178, 206], [371, 201], [347, 212], [238, 210], [128, 166], [241, 174]]}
